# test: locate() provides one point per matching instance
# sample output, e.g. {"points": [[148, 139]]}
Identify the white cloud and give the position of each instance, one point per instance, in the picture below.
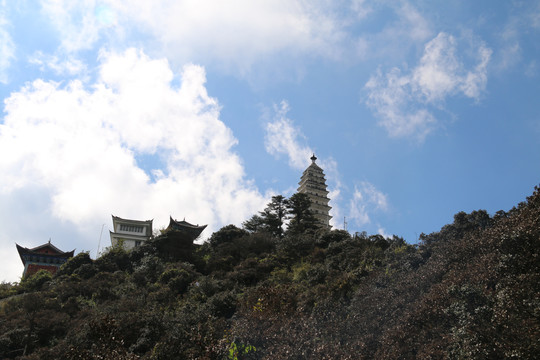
{"points": [[402, 101], [510, 51], [360, 8], [390, 96], [77, 146], [335, 186], [413, 24], [237, 33], [366, 199], [240, 36], [382, 231], [234, 33], [336, 212], [59, 65], [531, 70], [7, 48], [519, 32], [535, 16], [474, 82], [404, 29], [283, 138], [79, 23], [435, 76], [12, 267]]}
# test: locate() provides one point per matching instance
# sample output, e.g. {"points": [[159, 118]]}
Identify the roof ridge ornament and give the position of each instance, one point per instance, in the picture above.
{"points": [[313, 158]]}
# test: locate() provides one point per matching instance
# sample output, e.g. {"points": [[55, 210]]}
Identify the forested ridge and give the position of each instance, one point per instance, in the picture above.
{"points": [[468, 291]]}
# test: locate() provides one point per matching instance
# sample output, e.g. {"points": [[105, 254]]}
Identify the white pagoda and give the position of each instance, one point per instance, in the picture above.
{"points": [[313, 184]]}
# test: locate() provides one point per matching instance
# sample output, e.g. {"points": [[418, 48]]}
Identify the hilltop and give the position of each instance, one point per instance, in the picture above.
{"points": [[470, 290]]}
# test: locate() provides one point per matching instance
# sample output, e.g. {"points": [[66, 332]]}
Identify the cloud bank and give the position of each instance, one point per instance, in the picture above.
{"points": [[78, 146], [7, 47], [282, 137], [404, 102], [236, 33], [366, 200]]}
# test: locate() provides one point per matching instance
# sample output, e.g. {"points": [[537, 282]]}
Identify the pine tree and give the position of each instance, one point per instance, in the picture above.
{"points": [[271, 219], [301, 216]]}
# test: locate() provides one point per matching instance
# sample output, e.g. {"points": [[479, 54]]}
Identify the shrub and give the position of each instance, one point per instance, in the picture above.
{"points": [[36, 281], [82, 258]]}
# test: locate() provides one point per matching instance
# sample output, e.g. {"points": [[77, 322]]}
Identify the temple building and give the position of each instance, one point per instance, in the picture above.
{"points": [[176, 241], [130, 233], [313, 184], [44, 257], [184, 229]]}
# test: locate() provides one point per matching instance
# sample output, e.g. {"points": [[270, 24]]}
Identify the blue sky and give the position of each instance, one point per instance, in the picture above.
{"points": [[205, 109]]}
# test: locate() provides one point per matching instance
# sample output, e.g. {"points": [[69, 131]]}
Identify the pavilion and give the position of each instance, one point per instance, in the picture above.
{"points": [[44, 257]]}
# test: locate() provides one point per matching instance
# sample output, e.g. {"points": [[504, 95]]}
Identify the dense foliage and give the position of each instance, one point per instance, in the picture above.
{"points": [[469, 291]]}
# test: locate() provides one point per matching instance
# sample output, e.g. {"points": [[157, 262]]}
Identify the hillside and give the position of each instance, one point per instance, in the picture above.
{"points": [[471, 290]]}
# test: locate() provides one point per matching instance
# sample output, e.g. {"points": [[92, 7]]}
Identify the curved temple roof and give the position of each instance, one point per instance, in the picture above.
{"points": [[46, 249], [183, 226]]}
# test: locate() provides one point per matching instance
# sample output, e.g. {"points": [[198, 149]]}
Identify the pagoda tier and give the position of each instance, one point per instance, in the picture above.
{"points": [[313, 184], [44, 257], [183, 227]]}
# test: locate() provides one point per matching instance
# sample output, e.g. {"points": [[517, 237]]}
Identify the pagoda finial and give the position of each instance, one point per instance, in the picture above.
{"points": [[313, 158]]}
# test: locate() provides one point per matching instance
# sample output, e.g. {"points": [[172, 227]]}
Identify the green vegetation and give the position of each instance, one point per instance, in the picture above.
{"points": [[469, 291]]}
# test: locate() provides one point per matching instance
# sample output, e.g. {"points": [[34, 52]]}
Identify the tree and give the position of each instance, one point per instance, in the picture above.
{"points": [[226, 235], [301, 216], [255, 224], [74, 263], [271, 219], [275, 214], [36, 281]]}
